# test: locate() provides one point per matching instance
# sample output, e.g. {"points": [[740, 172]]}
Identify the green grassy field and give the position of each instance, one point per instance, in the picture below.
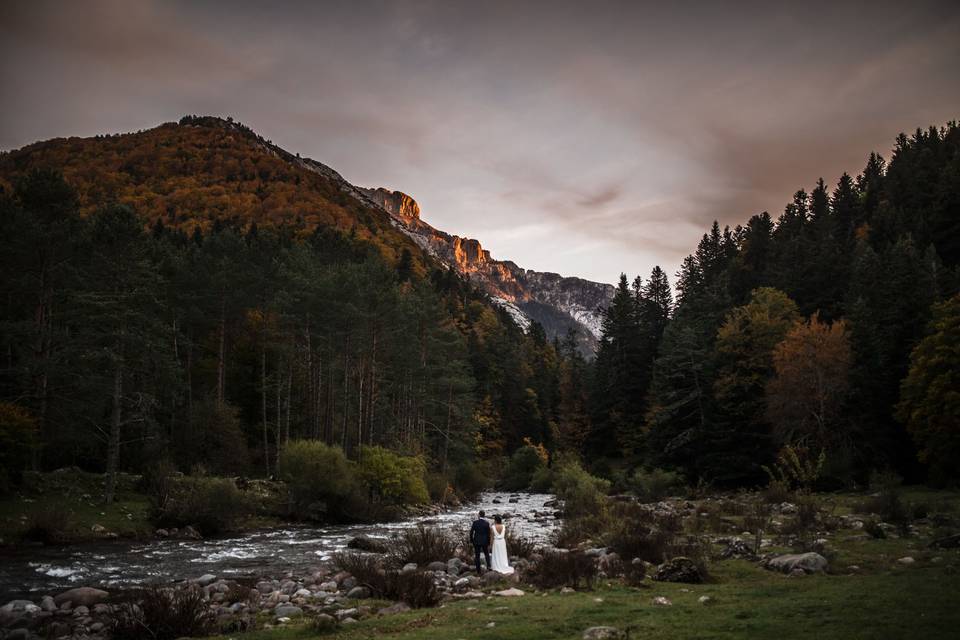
{"points": [[747, 601]]}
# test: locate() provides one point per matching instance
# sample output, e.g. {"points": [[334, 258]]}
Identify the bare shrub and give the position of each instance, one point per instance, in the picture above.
{"points": [[416, 588], [49, 525], [423, 545], [564, 569], [164, 614], [520, 546]]}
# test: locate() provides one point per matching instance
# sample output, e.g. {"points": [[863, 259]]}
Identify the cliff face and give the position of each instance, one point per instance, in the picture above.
{"points": [[556, 302]]}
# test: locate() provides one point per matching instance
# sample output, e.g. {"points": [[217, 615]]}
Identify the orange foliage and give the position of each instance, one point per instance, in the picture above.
{"points": [[192, 175]]}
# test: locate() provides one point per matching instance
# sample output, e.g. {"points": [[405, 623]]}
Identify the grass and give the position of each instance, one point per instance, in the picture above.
{"points": [[747, 602], [866, 593], [78, 496]]}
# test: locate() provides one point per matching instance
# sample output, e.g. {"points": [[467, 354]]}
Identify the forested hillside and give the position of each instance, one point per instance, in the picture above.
{"points": [[192, 293], [185, 293], [798, 332]]}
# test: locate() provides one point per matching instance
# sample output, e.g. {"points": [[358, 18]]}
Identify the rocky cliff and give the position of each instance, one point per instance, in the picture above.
{"points": [[556, 302]]}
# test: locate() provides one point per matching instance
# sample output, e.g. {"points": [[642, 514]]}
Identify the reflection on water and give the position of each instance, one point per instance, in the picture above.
{"points": [[41, 570]]}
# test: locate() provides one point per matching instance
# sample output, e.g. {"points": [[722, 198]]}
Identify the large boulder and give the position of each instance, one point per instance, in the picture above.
{"points": [[679, 569], [807, 562], [288, 611], [82, 596], [366, 543]]}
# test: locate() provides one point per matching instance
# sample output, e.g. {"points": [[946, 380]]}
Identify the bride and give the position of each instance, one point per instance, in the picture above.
{"points": [[500, 560]]}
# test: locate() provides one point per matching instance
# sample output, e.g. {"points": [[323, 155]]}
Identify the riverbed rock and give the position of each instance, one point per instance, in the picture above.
{"points": [[85, 596], [366, 543], [679, 569], [359, 593], [329, 586], [47, 604], [808, 562], [205, 579], [288, 611], [410, 567], [18, 634], [661, 601], [436, 565], [343, 614], [512, 592], [603, 633]]}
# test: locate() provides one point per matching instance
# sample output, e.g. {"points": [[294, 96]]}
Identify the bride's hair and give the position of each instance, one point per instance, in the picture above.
{"points": [[498, 519]]}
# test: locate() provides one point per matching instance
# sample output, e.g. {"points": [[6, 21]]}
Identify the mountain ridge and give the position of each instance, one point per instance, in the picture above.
{"points": [[204, 170]]}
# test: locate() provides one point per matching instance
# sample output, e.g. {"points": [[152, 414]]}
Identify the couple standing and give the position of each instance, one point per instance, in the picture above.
{"points": [[485, 537]]}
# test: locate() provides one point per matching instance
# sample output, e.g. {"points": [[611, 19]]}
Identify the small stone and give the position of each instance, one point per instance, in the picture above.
{"points": [[808, 562], [397, 607], [359, 593], [661, 601], [602, 633], [491, 625], [705, 600], [512, 592], [568, 590], [98, 528], [409, 567], [288, 611], [906, 560]]}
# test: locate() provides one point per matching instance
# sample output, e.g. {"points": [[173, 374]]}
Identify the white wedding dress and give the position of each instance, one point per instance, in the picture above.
{"points": [[499, 559]]}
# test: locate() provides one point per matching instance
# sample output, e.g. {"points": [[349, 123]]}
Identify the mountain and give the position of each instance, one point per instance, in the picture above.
{"points": [[205, 171], [556, 302]]}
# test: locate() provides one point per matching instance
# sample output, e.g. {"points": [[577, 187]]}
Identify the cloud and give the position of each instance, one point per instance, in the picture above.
{"points": [[580, 139]]}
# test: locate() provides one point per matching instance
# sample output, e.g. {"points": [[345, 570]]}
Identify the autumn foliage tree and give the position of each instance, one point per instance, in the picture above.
{"points": [[805, 397]]}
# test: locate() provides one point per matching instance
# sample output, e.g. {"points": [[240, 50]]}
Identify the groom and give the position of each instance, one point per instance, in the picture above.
{"points": [[480, 538]]}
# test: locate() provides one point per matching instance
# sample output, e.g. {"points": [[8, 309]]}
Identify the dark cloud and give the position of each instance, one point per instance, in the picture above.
{"points": [[572, 137]]}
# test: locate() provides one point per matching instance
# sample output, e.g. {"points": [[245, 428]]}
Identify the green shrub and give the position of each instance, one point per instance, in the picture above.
{"points": [[524, 462], [655, 484], [542, 481], [470, 480], [320, 480], [212, 505], [582, 494], [391, 478]]}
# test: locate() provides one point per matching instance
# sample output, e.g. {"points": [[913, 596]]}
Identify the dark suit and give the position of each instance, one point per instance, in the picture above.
{"points": [[480, 537]]}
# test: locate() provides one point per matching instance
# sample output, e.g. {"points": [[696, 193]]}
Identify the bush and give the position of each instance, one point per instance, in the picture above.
{"points": [[573, 532], [438, 487], [519, 546], [887, 502], [157, 482], [656, 484], [524, 462], [391, 478], [164, 614], [423, 545], [542, 481], [18, 441], [48, 525], [319, 478], [635, 532], [212, 505], [582, 494], [564, 569], [416, 588], [470, 480]]}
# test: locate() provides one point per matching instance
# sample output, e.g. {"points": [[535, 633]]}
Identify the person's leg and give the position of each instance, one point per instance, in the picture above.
{"points": [[486, 556], [476, 557]]}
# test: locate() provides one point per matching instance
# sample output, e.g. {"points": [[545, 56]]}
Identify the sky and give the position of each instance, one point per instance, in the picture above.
{"points": [[584, 138]]}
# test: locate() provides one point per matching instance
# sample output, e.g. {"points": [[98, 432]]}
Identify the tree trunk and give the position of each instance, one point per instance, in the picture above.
{"points": [[113, 444], [221, 355], [263, 403]]}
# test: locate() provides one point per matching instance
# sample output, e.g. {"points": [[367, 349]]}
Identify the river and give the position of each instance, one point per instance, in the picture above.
{"points": [[33, 571]]}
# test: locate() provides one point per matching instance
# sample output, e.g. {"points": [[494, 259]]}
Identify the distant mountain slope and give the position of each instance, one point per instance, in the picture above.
{"points": [[205, 171], [556, 302]]}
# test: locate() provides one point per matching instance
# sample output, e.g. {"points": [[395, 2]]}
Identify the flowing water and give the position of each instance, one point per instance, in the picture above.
{"points": [[33, 571]]}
